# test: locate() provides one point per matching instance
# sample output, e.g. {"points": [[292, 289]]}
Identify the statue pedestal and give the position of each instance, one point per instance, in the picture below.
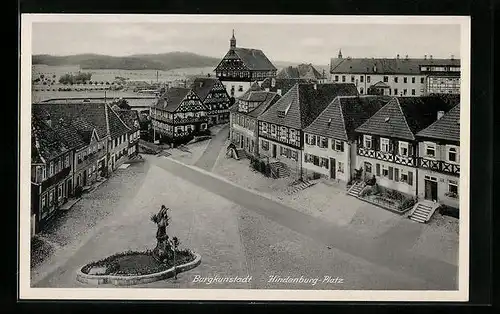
{"points": [[163, 250]]}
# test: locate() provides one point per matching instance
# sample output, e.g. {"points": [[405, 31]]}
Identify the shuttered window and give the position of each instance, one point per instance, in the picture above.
{"points": [[378, 169], [396, 174], [410, 178], [391, 173]]}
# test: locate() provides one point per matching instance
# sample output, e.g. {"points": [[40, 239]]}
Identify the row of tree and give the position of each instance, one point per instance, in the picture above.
{"points": [[80, 78]]}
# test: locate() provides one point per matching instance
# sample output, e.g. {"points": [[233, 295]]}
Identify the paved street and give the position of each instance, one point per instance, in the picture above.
{"points": [[209, 157], [236, 231]]}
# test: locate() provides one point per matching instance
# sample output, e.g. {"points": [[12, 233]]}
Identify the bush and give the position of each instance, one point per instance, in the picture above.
{"points": [[366, 192], [78, 191], [449, 211], [370, 181], [377, 189], [408, 202]]}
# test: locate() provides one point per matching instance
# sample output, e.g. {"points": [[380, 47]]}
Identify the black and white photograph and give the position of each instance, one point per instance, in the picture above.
{"points": [[227, 157]]}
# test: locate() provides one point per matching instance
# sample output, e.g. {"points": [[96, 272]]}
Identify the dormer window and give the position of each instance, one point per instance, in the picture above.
{"points": [[452, 153]]}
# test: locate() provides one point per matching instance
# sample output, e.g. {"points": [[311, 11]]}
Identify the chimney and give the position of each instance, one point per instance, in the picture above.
{"points": [[430, 57], [440, 114], [425, 57], [201, 84], [279, 92], [375, 68], [48, 120], [452, 57], [273, 82], [397, 56], [406, 57]]}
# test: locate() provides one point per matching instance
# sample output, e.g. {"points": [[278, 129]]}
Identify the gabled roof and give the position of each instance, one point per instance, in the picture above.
{"points": [[203, 85], [343, 115], [46, 143], [130, 117], [283, 84], [385, 65], [86, 117], [172, 98], [302, 71], [403, 117], [304, 102], [446, 128], [254, 59]]}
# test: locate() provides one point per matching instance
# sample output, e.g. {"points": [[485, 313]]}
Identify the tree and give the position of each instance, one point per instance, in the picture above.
{"points": [[123, 104]]}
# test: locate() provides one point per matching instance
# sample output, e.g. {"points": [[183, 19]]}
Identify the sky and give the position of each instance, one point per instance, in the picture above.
{"points": [[308, 43]]}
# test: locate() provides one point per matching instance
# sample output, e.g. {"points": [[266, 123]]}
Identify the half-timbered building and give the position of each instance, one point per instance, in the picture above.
{"points": [[131, 119], [243, 127], [280, 127], [302, 71], [387, 144], [330, 141], [178, 113], [215, 98], [242, 66], [439, 159]]}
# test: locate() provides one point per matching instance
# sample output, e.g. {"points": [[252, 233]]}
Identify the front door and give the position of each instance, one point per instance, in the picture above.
{"points": [[241, 141], [274, 151], [368, 170], [332, 168], [85, 178], [69, 189], [430, 190]]}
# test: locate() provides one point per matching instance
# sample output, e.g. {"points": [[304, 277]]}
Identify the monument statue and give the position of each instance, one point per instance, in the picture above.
{"points": [[163, 251]]}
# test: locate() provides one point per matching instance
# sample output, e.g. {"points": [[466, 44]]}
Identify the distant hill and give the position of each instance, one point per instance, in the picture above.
{"points": [[164, 61]]}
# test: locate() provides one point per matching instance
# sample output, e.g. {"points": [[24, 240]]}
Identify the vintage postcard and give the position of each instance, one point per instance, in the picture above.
{"points": [[226, 157]]}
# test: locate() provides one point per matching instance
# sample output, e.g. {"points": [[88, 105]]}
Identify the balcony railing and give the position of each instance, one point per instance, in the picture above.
{"points": [[387, 156], [277, 138], [439, 165]]}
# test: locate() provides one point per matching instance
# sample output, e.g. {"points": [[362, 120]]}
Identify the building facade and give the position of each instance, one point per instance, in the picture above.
{"points": [[50, 171], [439, 160], [330, 142], [179, 113], [242, 66], [302, 71], [243, 127], [398, 76], [215, 98], [131, 119], [280, 127], [387, 145]]}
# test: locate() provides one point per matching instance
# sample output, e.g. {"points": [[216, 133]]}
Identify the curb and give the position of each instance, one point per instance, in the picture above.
{"points": [[134, 280]]}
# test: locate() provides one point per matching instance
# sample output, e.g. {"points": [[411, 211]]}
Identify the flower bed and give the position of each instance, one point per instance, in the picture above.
{"points": [[134, 264], [387, 198]]}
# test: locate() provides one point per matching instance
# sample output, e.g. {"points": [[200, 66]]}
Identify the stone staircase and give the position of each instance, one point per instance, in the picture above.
{"points": [[356, 188], [423, 211], [279, 169], [299, 186]]}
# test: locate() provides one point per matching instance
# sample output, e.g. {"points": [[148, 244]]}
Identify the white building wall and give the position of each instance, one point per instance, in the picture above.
{"points": [[418, 86], [329, 152], [237, 84], [385, 181]]}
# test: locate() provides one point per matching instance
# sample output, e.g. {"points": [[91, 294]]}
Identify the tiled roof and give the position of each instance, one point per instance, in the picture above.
{"points": [[255, 87], [46, 143], [303, 103], [446, 128], [303, 71], [403, 117], [203, 85], [172, 98], [130, 117], [344, 115], [254, 59], [117, 127], [271, 98], [283, 84], [385, 65]]}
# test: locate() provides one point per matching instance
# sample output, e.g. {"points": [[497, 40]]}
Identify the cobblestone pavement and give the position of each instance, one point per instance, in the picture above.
{"points": [[216, 145], [438, 239], [236, 232]]}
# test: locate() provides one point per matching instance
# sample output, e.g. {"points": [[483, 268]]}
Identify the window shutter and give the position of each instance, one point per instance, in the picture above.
{"points": [[341, 146], [307, 138], [378, 170], [391, 148], [374, 143], [410, 149], [396, 174], [390, 173], [410, 178]]}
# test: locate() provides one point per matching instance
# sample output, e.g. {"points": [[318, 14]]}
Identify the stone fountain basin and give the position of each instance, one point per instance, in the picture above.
{"points": [[96, 275]]}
